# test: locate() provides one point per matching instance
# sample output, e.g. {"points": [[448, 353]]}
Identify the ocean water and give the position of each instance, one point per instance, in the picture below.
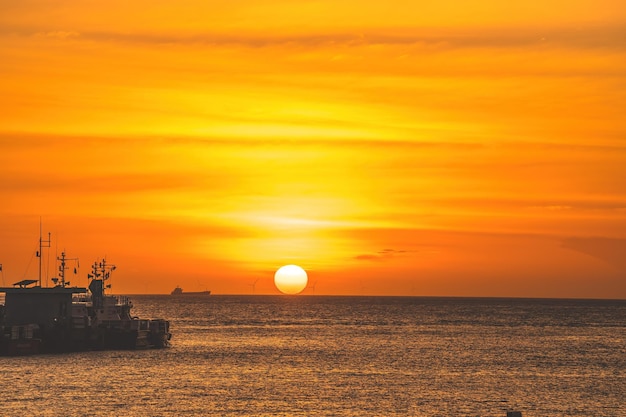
{"points": [[342, 356]]}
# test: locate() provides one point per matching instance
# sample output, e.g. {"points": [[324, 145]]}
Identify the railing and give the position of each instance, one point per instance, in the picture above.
{"points": [[86, 298], [123, 300], [81, 298]]}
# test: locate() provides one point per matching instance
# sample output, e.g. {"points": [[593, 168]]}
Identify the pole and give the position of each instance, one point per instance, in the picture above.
{"points": [[39, 253], [41, 246]]}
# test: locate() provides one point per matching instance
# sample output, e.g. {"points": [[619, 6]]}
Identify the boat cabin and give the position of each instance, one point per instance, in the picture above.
{"points": [[49, 307]]}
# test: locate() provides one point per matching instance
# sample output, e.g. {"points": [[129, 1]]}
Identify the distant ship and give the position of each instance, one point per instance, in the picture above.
{"points": [[179, 291]]}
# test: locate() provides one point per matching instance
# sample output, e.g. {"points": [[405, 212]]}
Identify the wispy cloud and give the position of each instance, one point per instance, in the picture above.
{"points": [[587, 37], [609, 250], [27, 140], [382, 255]]}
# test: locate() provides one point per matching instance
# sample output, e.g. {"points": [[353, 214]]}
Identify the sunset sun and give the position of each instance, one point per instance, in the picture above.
{"points": [[290, 279]]}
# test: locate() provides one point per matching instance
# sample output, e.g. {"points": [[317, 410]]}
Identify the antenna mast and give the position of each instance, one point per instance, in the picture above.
{"points": [[101, 270], [42, 244], [63, 268]]}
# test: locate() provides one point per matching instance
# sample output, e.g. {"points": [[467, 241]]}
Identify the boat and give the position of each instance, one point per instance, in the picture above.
{"points": [[63, 318], [179, 291]]}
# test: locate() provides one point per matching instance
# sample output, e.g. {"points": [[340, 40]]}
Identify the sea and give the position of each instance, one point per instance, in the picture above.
{"points": [[313, 355]]}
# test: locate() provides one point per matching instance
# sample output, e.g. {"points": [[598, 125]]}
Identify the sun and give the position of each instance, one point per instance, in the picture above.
{"points": [[290, 279]]}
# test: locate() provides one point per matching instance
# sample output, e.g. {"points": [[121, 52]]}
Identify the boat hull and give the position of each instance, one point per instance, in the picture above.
{"points": [[22, 347], [193, 293]]}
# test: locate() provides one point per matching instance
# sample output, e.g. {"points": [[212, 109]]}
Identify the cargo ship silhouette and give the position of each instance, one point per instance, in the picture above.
{"points": [[179, 291]]}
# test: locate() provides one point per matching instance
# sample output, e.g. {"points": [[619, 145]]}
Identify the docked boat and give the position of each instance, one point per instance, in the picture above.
{"points": [[179, 291], [37, 319]]}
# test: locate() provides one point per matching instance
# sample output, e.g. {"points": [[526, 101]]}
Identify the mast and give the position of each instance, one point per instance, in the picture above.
{"points": [[63, 268], [42, 244], [100, 272]]}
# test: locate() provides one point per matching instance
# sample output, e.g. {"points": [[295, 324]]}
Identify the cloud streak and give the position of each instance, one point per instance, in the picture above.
{"points": [[589, 37], [609, 250], [381, 256]]}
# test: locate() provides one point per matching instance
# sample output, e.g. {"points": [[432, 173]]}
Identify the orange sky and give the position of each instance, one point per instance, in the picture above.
{"points": [[399, 147]]}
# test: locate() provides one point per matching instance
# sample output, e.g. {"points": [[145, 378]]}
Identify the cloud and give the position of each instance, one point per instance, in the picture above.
{"points": [[59, 34], [121, 183], [552, 207], [382, 255], [23, 141], [614, 203], [590, 37], [609, 250]]}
